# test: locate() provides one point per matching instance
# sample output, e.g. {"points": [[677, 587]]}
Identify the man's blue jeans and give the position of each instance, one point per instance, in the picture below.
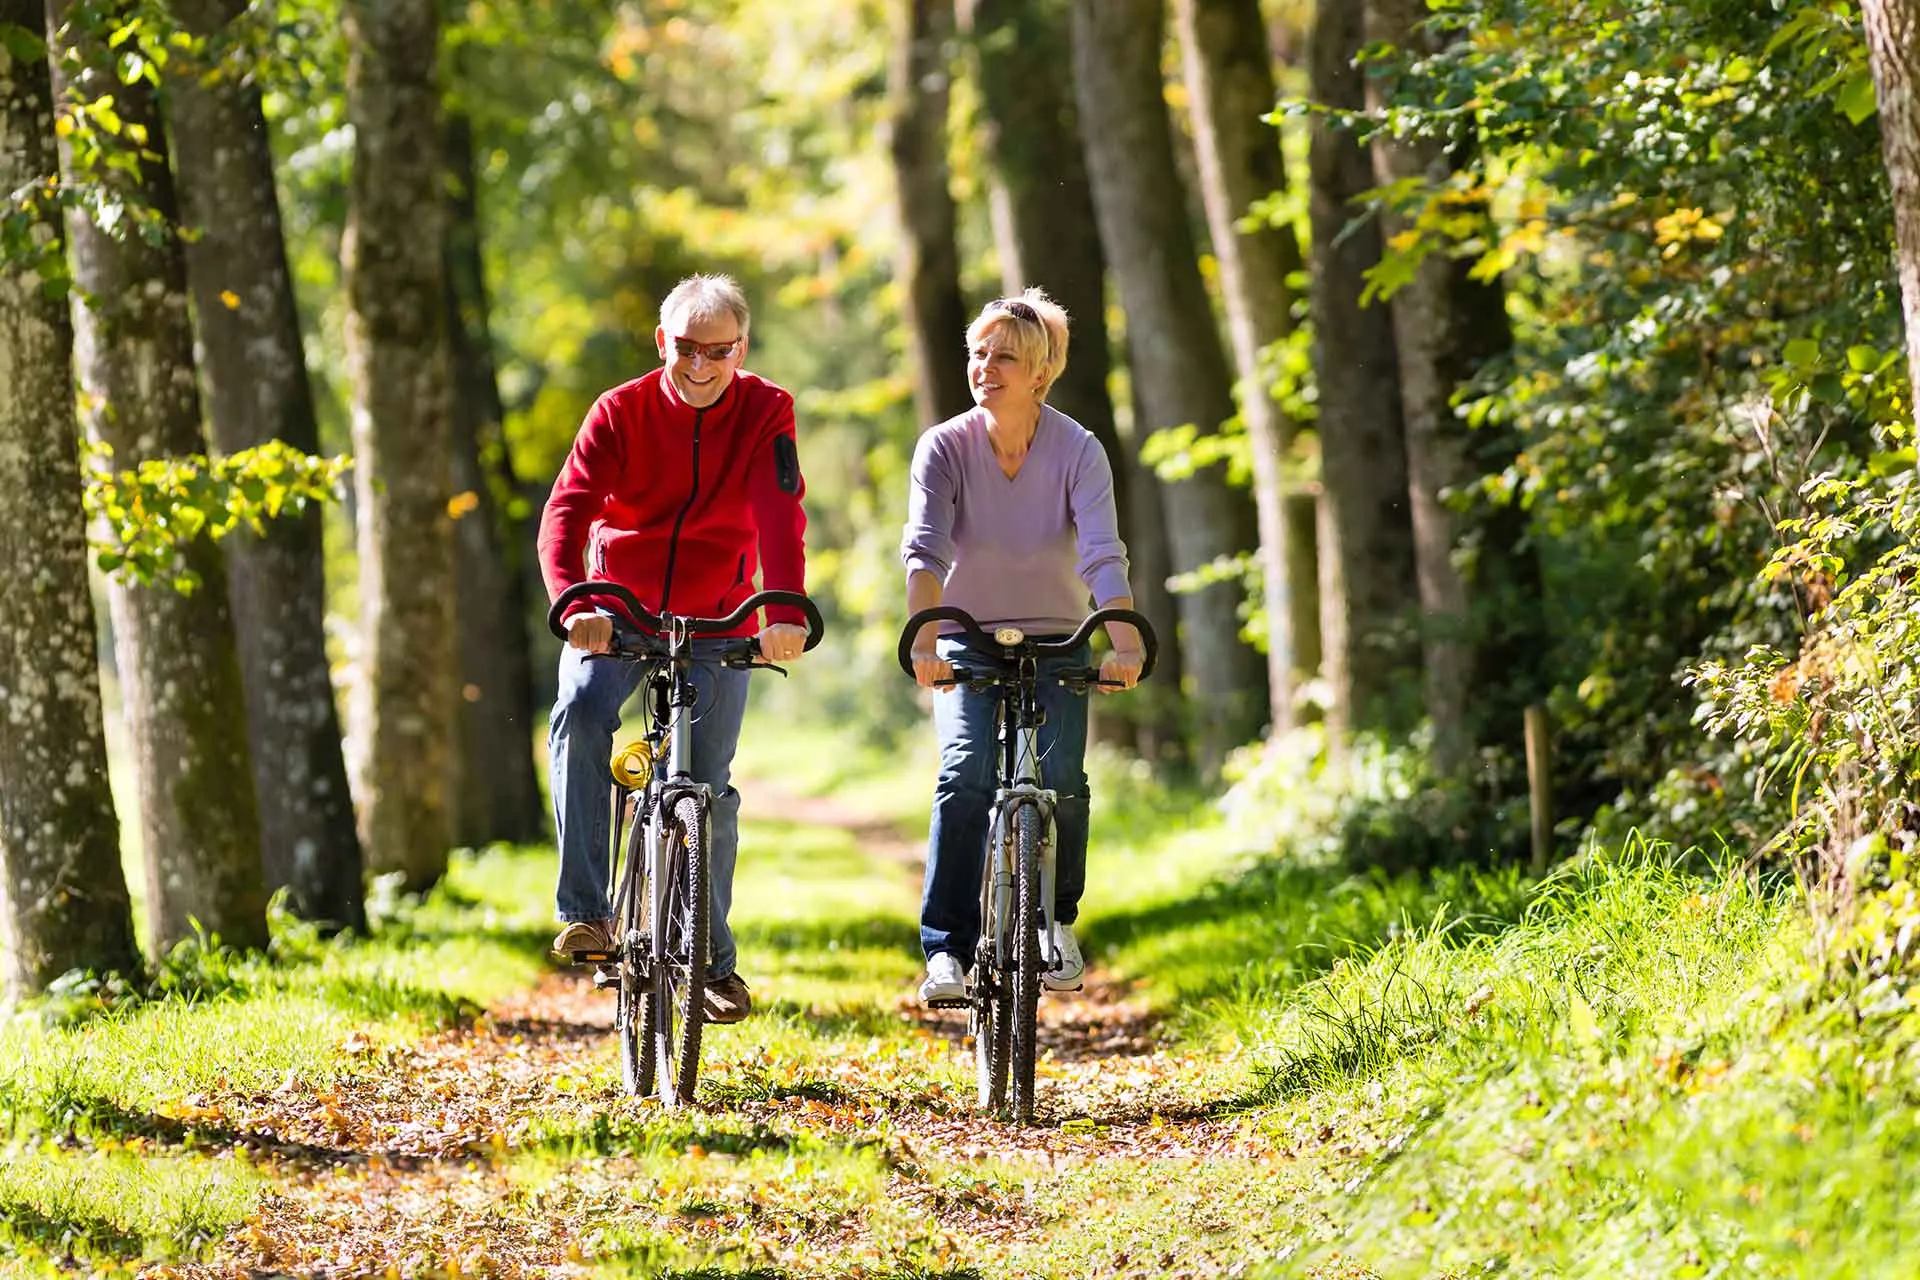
{"points": [[586, 713], [963, 721]]}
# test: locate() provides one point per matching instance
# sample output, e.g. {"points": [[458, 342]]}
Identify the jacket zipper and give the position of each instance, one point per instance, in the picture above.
{"points": [[673, 543]]}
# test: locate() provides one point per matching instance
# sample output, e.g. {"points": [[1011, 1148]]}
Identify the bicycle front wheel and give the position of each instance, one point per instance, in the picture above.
{"points": [[679, 993], [1028, 918], [630, 993]]}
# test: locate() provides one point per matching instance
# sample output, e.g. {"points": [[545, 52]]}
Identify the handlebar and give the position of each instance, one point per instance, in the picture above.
{"points": [[651, 621], [1039, 648]]}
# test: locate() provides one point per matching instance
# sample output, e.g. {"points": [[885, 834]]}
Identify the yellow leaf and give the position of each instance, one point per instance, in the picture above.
{"points": [[230, 299], [462, 503]]}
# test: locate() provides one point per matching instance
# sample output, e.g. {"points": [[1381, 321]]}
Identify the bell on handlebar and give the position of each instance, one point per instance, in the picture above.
{"points": [[1008, 636], [633, 765]]}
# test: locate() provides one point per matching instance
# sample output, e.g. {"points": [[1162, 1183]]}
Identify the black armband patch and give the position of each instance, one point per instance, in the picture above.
{"points": [[786, 464]]}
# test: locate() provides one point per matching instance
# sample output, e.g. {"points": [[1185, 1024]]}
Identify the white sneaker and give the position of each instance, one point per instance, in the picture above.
{"points": [[1067, 974], [945, 982]]}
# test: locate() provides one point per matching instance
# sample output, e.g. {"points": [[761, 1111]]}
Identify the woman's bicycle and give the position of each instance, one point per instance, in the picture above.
{"points": [[661, 824], [1017, 878]]}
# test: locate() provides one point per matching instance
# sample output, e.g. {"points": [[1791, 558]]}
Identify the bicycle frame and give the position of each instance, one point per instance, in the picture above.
{"points": [[1018, 784]]}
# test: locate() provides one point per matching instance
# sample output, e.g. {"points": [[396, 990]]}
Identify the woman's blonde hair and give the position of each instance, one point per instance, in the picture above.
{"points": [[1035, 329]]}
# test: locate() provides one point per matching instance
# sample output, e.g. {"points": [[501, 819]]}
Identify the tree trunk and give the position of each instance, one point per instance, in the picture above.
{"points": [[1893, 52], [918, 84], [496, 797], [1445, 327], [1178, 365], [63, 899], [254, 373], [1046, 235], [1368, 584], [1230, 88], [397, 362], [179, 670]]}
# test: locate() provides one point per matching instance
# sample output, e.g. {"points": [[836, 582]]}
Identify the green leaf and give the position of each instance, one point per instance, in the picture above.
{"points": [[1803, 353], [1856, 98], [22, 43], [1863, 359], [1891, 464]]}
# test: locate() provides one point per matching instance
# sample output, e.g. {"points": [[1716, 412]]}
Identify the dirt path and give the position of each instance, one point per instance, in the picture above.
{"points": [[501, 1148]]}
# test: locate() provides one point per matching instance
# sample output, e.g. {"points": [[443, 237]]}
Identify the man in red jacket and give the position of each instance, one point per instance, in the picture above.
{"points": [[679, 486]]}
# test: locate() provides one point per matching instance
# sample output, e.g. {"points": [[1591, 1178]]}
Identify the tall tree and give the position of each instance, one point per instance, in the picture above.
{"points": [[397, 362], [1446, 326], [179, 671], [1893, 51], [1179, 368], [1369, 590], [1230, 89], [63, 900], [254, 373], [919, 86], [497, 796], [1045, 234]]}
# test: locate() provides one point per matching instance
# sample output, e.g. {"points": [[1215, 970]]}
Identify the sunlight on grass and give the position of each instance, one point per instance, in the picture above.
{"points": [[124, 1203]]}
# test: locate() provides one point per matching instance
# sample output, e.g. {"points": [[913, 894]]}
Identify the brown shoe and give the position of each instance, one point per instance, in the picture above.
{"points": [[584, 935], [727, 999]]}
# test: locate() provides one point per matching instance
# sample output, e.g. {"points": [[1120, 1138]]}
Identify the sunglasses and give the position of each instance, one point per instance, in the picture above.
{"points": [[1018, 310], [687, 349]]}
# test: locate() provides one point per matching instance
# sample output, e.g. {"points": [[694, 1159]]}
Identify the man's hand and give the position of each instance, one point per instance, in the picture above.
{"points": [[1122, 667], [590, 631], [782, 641]]}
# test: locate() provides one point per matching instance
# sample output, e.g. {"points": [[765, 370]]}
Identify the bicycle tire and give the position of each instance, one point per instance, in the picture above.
{"points": [[630, 1003], [989, 1021], [1025, 969], [680, 981]]}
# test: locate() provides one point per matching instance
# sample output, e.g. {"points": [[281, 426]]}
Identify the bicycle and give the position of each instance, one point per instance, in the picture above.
{"points": [[658, 963], [1017, 876]]}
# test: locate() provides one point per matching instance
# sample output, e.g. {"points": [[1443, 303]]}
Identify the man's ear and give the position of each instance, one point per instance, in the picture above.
{"points": [[660, 341]]}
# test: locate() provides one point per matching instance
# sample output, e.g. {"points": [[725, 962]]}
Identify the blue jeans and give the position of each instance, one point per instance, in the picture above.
{"points": [[580, 751], [963, 720]]}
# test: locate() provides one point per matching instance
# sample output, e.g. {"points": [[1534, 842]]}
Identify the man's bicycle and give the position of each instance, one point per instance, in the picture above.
{"points": [[1017, 878], [661, 824]]}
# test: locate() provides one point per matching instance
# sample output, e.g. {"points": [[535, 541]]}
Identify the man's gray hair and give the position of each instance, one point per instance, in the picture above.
{"points": [[704, 297]]}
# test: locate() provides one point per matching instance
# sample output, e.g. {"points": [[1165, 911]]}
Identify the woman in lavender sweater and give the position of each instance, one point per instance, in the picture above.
{"points": [[1011, 518]]}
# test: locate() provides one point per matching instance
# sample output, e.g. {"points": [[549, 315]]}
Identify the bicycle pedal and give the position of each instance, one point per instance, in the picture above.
{"points": [[606, 977], [955, 1002], [592, 957]]}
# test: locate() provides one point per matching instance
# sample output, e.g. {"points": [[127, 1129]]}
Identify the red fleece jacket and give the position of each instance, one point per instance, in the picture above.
{"points": [[682, 506]]}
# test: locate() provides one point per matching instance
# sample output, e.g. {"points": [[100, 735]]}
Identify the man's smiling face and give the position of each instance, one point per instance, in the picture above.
{"points": [[698, 373]]}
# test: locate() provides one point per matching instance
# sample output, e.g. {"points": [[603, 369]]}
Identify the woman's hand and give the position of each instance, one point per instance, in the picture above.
{"points": [[1121, 667], [928, 665]]}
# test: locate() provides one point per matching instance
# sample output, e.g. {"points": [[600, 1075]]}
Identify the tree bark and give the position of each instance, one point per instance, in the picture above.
{"points": [[1893, 52], [918, 84], [1178, 365], [179, 670], [63, 899], [254, 374], [1046, 235], [397, 363], [1230, 89], [1368, 584], [1445, 327], [497, 797]]}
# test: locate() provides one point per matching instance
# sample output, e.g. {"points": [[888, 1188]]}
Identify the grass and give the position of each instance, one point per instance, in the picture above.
{"points": [[1627, 1070]]}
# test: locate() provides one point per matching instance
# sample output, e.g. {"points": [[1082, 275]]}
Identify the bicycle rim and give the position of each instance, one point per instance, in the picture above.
{"points": [[680, 981], [1025, 996]]}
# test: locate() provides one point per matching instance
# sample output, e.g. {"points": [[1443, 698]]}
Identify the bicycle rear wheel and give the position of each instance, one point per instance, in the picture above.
{"points": [[679, 992], [629, 1010], [1025, 969]]}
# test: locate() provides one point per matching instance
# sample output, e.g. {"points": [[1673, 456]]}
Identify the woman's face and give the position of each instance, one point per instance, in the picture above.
{"points": [[999, 378]]}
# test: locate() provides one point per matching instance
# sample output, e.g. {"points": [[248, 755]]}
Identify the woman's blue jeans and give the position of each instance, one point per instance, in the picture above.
{"points": [[586, 712], [964, 722]]}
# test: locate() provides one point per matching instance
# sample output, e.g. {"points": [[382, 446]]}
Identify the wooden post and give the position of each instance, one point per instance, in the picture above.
{"points": [[1540, 784]]}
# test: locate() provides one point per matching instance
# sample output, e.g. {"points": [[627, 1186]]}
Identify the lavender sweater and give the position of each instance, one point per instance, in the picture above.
{"points": [[1026, 551]]}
